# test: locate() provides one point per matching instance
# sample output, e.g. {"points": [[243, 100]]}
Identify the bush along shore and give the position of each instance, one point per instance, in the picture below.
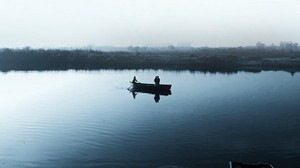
{"points": [[194, 59]]}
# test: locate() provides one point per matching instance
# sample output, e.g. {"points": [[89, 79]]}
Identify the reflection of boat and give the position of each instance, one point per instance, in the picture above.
{"points": [[151, 87], [246, 165]]}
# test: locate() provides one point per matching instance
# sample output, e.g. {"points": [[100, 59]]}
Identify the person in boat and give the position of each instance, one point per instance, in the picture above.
{"points": [[134, 80], [156, 80]]}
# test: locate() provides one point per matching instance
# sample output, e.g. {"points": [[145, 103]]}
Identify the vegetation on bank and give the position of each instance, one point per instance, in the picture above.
{"points": [[171, 58]]}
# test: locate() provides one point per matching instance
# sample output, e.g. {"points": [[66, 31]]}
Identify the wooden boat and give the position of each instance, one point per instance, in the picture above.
{"points": [[155, 92], [247, 165], [150, 87]]}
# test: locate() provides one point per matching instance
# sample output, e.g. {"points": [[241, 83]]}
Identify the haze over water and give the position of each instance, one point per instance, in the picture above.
{"points": [[90, 119], [216, 23]]}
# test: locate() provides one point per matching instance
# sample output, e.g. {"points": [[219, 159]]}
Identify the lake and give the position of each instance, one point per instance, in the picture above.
{"points": [[89, 119]]}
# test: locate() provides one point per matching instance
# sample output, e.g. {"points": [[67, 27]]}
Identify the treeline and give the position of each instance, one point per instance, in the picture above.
{"points": [[204, 59], [283, 45]]}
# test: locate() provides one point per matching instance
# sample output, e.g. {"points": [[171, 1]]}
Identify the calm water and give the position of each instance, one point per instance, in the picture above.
{"points": [[90, 119]]}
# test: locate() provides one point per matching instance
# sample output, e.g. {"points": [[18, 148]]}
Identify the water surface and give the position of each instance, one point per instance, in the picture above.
{"points": [[90, 119]]}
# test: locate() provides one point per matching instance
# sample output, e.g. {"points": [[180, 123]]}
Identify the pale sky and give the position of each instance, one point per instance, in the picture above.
{"points": [[69, 23]]}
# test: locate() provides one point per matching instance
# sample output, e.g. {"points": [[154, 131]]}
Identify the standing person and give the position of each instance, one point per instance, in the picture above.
{"points": [[156, 80]]}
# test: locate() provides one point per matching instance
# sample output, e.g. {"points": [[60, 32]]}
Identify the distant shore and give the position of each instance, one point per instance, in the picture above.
{"points": [[199, 59]]}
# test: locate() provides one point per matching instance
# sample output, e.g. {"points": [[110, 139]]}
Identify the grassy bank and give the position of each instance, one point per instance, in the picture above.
{"points": [[194, 59]]}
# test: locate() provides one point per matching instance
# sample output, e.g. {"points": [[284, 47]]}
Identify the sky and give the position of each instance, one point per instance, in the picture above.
{"points": [[214, 23]]}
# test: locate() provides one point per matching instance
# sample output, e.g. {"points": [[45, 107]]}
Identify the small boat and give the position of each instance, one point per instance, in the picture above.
{"points": [[150, 87], [155, 92], [248, 165]]}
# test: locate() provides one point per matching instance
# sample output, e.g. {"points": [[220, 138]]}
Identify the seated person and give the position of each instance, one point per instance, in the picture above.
{"points": [[134, 80]]}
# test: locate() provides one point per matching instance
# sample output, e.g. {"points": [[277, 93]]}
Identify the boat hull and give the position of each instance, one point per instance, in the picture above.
{"points": [[151, 87], [155, 92]]}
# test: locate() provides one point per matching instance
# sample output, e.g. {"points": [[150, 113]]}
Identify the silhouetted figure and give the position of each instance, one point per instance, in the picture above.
{"points": [[156, 98], [134, 80], [156, 80]]}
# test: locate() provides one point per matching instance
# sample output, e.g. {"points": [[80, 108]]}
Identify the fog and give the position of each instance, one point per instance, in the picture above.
{"points": [[74, 23]]}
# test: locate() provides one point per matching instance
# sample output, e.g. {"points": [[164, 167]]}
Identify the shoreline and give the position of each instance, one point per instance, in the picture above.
{"points": [[227, 60]]}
